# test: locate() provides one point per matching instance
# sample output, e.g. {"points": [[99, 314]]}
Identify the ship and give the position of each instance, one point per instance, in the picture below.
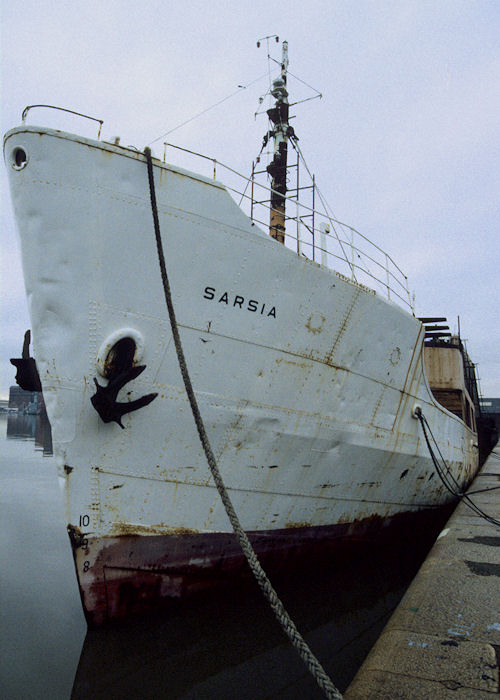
{"points": [[312, 374]]}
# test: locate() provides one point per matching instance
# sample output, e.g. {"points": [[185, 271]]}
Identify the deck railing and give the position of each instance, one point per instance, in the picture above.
{"points": [[67, 111], [315, 233]]}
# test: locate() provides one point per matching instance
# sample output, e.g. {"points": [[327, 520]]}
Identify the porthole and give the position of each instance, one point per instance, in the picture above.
{"points": [[19, 158]]}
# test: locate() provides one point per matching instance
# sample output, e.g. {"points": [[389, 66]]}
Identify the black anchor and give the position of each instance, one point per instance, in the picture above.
{"points": [[27, 376], [104, 400]]}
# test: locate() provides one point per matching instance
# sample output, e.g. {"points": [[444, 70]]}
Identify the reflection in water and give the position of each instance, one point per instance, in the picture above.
{"points": [[221, 644], [226, 645], [22, 426], [42, 625]]}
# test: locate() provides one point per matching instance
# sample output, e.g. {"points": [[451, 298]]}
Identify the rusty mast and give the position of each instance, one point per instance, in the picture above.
{"points": [[277, 168]]}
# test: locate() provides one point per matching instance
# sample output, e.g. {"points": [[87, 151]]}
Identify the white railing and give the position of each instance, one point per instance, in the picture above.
{"points": [[316, 234], [67, 111]]}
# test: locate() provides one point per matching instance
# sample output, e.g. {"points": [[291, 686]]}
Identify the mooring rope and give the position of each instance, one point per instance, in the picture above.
{"points": [[277, 606], [449, 481]]}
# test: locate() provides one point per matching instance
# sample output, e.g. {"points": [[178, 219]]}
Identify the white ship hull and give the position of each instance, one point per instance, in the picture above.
{"points": [[306, 381]]}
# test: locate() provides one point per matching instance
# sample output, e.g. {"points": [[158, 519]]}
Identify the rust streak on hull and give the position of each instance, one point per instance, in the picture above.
{"points": [[131, 574]]}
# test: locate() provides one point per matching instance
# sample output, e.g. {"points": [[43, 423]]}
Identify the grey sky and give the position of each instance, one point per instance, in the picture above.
{"points": [[404, 143]]}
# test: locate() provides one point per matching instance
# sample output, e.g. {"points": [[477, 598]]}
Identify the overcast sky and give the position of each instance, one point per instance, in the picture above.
{"points": [[404, 142]]}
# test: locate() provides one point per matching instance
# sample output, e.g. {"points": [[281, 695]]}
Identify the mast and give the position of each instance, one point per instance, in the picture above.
{"points": [[277, 168]]}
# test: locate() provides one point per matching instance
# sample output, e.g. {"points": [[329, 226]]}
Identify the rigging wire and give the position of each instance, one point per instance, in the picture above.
{"points": [[204, 111], [327, 208], [288, 73], [306, 99], [297, 78]]}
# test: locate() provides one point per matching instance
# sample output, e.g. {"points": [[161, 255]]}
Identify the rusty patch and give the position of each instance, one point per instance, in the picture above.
{"points": [[315, 323], [293, 363], [395, 356], [77, 537], [343, 327], [131, 529], [131, 574]]}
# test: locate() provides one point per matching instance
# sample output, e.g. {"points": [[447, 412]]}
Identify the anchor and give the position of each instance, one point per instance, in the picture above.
{"points": [[104, 400], [27, 376]]}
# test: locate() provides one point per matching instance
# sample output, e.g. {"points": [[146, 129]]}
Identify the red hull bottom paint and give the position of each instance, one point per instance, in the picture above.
{"points": [[131, 574]]}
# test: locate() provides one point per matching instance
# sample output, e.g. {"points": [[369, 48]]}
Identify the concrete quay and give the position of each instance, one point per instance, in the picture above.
{"points": [[443, 640]]}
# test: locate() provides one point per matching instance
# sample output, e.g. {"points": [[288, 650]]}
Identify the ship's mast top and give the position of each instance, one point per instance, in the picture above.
{"points": [[284, 60], [277, 168]]}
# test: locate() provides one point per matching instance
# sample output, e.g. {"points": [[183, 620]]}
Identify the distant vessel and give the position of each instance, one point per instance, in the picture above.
{"points": [[308, 380], [32, 409]]}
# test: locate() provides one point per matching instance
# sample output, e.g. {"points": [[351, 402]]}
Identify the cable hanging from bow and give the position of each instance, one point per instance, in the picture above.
{"points": [[447, 478]]}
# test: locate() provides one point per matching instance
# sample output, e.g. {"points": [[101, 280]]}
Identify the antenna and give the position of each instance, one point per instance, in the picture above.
{"points": [[266, 38]]}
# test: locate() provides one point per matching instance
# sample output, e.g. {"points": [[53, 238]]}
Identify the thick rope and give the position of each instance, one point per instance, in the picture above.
{"points": [[281, 614], [449, 481]]}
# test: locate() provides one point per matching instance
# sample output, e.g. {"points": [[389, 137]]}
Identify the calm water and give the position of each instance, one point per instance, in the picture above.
{"points": [[219, 645], [42, 627]]}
